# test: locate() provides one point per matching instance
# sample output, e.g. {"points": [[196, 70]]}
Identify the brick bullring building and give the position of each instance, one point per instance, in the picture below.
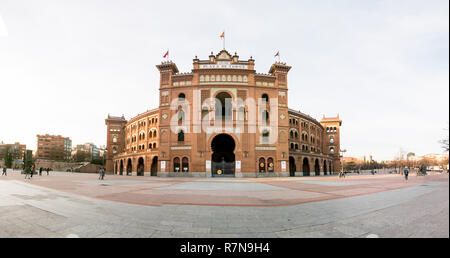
{"points": [[223, 120]]}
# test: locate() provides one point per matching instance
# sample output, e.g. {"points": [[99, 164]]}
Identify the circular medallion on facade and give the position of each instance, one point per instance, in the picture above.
{"points": [[261, 165], [219, 172], [164, 116], [282, 116], [271, 165]]}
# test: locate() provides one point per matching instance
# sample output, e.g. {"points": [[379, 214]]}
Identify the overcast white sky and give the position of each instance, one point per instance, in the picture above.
{"points": [[382, 65]]}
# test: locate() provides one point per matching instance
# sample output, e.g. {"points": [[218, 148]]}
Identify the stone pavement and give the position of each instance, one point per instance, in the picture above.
{"points": [[78, 205]]}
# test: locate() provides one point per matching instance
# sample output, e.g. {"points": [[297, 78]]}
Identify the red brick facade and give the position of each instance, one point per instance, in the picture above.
{"points": [[222, 119]]}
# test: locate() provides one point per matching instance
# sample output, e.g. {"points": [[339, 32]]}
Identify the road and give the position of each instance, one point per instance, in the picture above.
{"points": [[77, 205]]}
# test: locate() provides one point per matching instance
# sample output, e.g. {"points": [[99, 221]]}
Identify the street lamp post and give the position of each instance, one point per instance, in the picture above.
{"points": [[343, 162]]}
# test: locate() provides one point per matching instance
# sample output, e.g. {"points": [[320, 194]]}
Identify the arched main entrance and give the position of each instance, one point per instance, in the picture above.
{"points": [[140, 167], [325, 170], [305, 167], [223, 159], [154, 168], [317, 167], [121, 168], [292, 167]]}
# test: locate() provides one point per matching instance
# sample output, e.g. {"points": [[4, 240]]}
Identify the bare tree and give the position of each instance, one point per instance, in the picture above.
{"points": [[444, 141], [399, 160]]}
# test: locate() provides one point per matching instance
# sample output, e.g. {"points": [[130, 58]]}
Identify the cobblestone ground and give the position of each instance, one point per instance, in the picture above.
{"points": [[79, 205]]}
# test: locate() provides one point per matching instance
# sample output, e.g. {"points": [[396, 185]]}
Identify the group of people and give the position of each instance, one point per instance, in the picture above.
{"points": [[30, 172]]}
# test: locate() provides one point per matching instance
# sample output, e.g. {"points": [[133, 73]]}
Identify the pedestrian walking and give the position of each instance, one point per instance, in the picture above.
{"points": [[40, 171], [4, 171], [48, 170], [406, 173], [32, 172], [101, 173]]}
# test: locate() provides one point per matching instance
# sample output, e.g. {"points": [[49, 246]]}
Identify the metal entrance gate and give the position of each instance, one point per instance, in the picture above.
{"points": [[223, 169]]}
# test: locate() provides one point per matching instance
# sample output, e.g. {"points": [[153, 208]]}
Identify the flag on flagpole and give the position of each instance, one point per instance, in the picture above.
{"points": [[277, 54], [166, 54], [222, 36]]}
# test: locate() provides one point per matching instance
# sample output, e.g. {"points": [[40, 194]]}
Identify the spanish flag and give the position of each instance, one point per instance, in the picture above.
{"points": [[222, 35]]}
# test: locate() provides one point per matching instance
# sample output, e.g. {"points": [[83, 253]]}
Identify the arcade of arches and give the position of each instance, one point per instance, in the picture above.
{"points": [[250, 129], [139, 166]]}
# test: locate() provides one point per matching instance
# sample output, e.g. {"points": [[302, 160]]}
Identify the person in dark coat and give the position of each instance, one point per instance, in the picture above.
{"points": [[40, 171]]}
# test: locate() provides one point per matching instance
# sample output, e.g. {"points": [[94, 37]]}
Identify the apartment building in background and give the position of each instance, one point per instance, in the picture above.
{"points": [[53, 147]]}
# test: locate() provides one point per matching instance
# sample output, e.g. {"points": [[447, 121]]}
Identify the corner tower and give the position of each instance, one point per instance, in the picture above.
{"points": [[115, 139], [332, 140]]}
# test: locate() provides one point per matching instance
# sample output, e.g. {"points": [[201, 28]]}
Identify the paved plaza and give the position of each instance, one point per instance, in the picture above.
{"points": [[79, 205]]}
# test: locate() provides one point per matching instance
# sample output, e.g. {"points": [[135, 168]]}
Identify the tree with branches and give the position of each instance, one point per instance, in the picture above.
{"points": [[444, 142]]}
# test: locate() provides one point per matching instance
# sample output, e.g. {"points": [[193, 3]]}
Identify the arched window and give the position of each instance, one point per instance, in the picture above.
{"points": [[241, 115], [185, 164], [262, 165], [265, 136], [181, 97], [296, 135], [331, 139], [223, 103], [181, 136], [270, 165], [180, 116], [292, 146], [202, 78], [265, 116], [154, 145], [114, 150], [265, 98], [154, 133], [291, 134], [115, 139], [332, 150], [176, 164]]}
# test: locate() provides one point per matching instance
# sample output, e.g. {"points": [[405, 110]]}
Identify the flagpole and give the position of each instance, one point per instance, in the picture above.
{"points": [[223, 39]]}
